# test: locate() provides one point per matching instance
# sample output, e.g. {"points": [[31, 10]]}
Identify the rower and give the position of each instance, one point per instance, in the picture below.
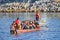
{"points": [[17, 21], [18, 24], [12, 31], [37, 16]]}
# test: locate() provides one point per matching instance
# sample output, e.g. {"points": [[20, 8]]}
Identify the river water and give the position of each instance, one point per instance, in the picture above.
{"points": [[52, 20]]}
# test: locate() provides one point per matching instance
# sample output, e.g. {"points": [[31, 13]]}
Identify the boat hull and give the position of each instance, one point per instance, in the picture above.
{"points": [[23, 31]]}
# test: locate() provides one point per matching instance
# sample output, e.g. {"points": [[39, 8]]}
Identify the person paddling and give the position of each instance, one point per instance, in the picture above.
{"points": [[17, 21], [18, 24], [37, 16], [13, 31]]}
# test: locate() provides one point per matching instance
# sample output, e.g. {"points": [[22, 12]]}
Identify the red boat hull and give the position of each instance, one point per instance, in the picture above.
{"points": [[27, 30], [23, 31]]}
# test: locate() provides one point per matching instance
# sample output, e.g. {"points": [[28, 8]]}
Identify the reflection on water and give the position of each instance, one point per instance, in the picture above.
{"points": [[57, 15], [53, 23]]}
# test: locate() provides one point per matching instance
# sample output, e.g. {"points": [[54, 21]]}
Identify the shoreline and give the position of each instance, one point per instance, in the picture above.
{"points": [[20, 11]]}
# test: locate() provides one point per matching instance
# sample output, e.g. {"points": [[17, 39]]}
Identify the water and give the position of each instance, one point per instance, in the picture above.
{"points": [[53, 23]]}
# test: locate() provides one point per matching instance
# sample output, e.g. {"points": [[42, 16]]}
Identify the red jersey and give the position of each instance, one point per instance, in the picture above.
{"points": [[37, 16], [17, 21]]}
